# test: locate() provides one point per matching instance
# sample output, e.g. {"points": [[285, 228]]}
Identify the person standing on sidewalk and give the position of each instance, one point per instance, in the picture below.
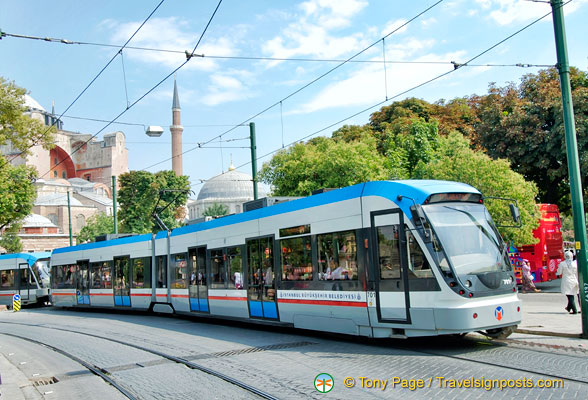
{"points": [[568, 269], [528, 285]]}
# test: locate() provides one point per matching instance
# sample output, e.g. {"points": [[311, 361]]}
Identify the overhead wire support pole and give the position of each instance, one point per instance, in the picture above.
{"points": [[573, 160], [253, 158]]}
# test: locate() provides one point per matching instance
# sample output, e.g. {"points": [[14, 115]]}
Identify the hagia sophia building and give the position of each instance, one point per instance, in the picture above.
{"points": [[87, 175]]}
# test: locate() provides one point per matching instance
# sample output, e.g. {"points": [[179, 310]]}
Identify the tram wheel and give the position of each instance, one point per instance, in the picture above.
{"points": [[500, 333]]}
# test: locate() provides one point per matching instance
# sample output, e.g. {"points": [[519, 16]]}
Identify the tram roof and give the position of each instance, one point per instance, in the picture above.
{"points": [[417, 190], [30, 258]]}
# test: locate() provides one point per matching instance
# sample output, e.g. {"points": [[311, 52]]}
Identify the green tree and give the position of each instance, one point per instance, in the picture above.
{"points": [[18, 132], [10, 240], [411, 147], [524, 124], [321, 163], [141, 191], [456, 161], [96, 225], [216, 210]]}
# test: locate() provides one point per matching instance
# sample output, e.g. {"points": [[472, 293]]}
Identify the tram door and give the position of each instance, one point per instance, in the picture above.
{"points": [[122, 274], [198, 280], [391, 266], [23, 282], [83, 282], [261, 289]]}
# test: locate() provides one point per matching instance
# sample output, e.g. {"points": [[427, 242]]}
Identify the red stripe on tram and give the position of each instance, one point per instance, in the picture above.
{"points": [[227, 298]]}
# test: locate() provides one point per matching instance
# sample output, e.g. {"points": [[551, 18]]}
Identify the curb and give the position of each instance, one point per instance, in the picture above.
{"points": [[548, 333]]}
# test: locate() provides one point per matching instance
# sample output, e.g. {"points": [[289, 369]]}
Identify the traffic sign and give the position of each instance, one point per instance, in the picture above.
{"points": [[16, 302]]}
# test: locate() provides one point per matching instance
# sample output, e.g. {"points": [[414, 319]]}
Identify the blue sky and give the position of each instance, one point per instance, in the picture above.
{"points": [[218, 93]]}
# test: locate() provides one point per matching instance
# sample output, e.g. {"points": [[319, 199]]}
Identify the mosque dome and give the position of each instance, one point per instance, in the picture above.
{"points": [[32, 103], [227, 186], [37, 221]]}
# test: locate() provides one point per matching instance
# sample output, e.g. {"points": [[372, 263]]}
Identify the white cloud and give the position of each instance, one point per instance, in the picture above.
{"points": [[171, 33], [428, 22], [311, 34], [365, 86], [393, 25], [506, 12], [224, 89]]}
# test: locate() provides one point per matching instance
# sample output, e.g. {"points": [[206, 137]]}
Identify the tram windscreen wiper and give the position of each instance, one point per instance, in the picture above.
{"points": [[477, 224]]}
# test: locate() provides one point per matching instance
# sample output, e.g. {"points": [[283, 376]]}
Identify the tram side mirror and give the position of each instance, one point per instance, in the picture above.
{"points": [[516, 214]]}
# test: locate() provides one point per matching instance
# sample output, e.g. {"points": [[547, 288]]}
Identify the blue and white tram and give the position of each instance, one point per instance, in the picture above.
{"points": [[26, 274], [378, 259]]}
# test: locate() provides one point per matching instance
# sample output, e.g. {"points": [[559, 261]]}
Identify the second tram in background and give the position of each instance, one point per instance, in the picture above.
{"points": [[547, 253], [26, 274], [377, 259]]}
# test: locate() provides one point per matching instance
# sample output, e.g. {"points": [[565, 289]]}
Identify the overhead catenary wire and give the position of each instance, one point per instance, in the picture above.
{"points": [[261, 58], [96, 77], [408, 90], [306, 85], [145, 94]]}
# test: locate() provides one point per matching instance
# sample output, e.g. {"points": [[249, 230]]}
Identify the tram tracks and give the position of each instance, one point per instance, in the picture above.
{"points": [[500, 351], [106, 375]]}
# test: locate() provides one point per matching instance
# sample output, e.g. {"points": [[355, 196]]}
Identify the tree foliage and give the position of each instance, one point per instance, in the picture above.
{"points": [[524, 124], [322, 163], [139, 194], [18, 132], [17, 129], [10, 240], [216, 210], [96, 225], [456, 161]]}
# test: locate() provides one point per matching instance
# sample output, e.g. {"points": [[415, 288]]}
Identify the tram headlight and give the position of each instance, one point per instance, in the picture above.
{"points": [[468, 284]]}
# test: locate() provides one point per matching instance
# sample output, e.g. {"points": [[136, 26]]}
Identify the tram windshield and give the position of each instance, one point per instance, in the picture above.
{"points": [[465, 234], [41, 271]]}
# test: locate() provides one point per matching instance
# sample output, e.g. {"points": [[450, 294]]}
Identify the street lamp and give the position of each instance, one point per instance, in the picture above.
{"points": [[154, 131]]}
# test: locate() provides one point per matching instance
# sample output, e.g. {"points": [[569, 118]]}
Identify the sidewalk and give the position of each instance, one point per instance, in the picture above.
{"points": [[546, 321]]}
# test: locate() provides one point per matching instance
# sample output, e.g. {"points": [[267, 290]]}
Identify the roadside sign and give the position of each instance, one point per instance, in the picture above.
{"points": [[16, 302]]}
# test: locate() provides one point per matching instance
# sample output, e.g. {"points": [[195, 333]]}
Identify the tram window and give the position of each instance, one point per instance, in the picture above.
{"points": [[7, 277], [418, 265], [337, 256], [389, 252], [23, 282], [161, 262], [141, 272], [296, 259], [235, 267], [179, 269], [95, 275], [217, 263]]}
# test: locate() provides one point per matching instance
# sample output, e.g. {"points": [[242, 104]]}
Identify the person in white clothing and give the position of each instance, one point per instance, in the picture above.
{"points": [[568, 269]]}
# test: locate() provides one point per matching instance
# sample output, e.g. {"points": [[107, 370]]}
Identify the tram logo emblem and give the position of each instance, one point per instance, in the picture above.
{"points": [[324, 383], [498, 313]]}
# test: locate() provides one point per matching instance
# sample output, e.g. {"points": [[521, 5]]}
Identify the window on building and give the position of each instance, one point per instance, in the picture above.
{"points": [[55, 174], [63, 174], [80, 221]]}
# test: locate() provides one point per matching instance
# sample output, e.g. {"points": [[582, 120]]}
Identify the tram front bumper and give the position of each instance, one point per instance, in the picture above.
{"points": [[480, 314]]}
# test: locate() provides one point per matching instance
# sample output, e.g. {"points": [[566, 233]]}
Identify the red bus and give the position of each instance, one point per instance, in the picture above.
{"points": [[548, 252]]}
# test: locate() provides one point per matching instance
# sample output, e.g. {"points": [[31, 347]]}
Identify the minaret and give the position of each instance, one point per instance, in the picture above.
{"points": [[176, 130]]}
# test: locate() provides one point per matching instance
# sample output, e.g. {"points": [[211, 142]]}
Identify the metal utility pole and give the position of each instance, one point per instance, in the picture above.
{"points": [[573, 160], [69, 218], [114, 204], [253, 158]]}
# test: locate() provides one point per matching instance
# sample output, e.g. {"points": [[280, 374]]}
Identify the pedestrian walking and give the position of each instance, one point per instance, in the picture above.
{"points": [[527, 279], [568, 269]]}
